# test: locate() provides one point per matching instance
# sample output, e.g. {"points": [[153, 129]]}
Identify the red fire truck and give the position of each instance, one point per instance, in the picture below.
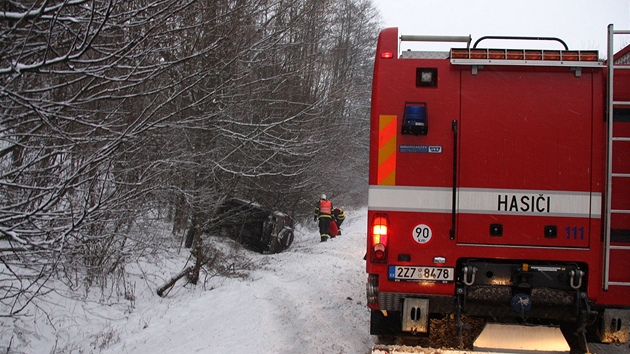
{"points": [[497, 186]]}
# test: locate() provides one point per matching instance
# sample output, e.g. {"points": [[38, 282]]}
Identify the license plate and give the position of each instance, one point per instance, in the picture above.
{"points": [[421, 273]]}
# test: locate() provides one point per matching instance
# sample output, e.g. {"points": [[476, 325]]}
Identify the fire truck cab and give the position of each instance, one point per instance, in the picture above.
{"points": [[498, 186]]}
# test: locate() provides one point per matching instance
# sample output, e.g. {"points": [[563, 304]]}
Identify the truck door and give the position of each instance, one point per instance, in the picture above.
{"points": [[525, 158]]}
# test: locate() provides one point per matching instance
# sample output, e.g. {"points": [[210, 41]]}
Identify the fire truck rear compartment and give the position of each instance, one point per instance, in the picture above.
{"points": [[492, 287]]}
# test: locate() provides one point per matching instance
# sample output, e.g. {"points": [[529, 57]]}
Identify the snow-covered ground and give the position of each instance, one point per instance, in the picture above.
{"points": [[307, 299]]}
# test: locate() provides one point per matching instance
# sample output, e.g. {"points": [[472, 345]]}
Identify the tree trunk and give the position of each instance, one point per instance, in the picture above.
{"points": [[173, 280]]}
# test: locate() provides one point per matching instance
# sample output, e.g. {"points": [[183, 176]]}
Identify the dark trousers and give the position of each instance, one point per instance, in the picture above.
{"points": [[324, 225]]}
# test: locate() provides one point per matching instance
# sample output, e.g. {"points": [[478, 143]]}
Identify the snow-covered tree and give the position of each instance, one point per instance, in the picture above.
{"points": [[112, 109]]}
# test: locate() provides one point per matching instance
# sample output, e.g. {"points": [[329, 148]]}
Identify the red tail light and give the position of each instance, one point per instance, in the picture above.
{"points": [[379, 230], [380, 238]]}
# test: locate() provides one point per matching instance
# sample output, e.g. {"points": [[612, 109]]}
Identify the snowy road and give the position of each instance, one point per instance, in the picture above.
{"points": [[308, 299]]}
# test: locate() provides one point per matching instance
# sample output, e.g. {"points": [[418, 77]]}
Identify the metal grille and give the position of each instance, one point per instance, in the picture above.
{"points": [[624, 60], [414, 54]]}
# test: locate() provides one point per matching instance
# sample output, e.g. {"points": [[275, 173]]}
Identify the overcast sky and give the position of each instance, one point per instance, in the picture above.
{"points": [[582, 24]]}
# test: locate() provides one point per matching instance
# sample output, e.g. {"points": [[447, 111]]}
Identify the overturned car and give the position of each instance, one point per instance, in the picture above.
{"points": [[254, 226]]}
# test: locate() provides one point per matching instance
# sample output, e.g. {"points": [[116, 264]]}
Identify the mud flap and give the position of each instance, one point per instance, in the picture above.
{"points": [[614, 326], [385, 323], [415, 316]]}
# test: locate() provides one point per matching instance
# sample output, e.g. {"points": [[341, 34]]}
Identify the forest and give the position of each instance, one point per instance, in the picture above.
{"points": [[119, 114]]}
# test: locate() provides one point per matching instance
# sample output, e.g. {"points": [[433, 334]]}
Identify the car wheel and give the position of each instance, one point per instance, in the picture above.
{"points": [[286, 238]]}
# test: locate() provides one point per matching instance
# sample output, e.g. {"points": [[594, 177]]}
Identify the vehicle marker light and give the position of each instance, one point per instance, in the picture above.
{"points": [[571, 55], [589, 55], [514, 54], [387, 55], [496, 54], [460, 53], [533, 55], [477, 54], [551, 55]]}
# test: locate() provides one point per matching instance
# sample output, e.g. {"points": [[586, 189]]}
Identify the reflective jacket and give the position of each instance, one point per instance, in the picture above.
{"points": [[339, 214], [324, 208]]}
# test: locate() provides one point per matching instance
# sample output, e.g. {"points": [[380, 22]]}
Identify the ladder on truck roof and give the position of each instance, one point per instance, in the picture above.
{"points": [[611, 104]]}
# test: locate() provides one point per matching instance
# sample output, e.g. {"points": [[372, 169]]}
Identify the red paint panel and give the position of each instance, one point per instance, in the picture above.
{"points": [[621, 192], [620, 264], [524, 230], [526, 130]]}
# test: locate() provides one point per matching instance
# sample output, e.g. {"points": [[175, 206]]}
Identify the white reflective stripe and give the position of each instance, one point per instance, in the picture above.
{"points": [[485, 201], [429, 200]]}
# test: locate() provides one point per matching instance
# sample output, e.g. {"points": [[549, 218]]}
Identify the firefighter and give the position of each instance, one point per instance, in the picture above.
{"points": [[323, 213], [338, 216]]}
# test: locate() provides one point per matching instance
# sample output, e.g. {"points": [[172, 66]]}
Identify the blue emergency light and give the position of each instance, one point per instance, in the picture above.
{"points": [[415, 119]]}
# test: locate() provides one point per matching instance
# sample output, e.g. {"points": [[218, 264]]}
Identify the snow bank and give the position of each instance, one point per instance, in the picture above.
{"points": [[309, 299]]}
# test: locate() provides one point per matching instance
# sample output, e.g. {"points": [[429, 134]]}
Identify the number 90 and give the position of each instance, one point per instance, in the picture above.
{"points": [[422, 233]]}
